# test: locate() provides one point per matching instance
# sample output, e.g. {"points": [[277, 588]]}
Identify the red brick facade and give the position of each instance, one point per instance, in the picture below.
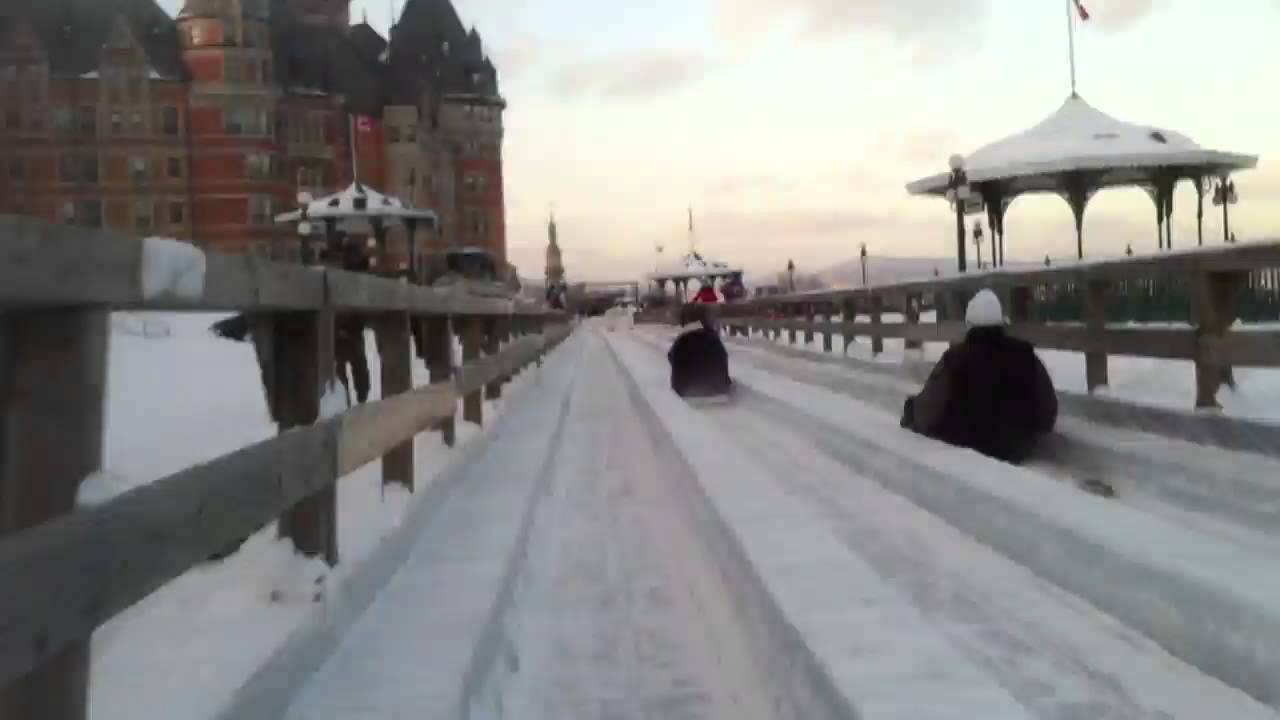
{"points": [[214, 149]]}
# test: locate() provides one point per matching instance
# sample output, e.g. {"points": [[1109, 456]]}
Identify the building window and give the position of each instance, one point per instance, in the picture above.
{"points": [[471, 147], [137, 168], [477, 227], [117, 122], [17, 170], [197, 35], [393, 134], [62, 119], [142, 219], [169, 119], [174, 168], [257, 166], [137, 121], [82, 212], [260, 210], [88, 121], [76, 168], [411, 133], [474, 183], [177, 212]]}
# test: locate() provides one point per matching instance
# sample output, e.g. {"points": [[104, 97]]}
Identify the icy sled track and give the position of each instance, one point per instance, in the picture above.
{"points": [[621, 554]]}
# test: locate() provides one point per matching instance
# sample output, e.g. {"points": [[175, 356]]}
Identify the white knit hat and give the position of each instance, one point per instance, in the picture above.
{"points": [[984, 310]]}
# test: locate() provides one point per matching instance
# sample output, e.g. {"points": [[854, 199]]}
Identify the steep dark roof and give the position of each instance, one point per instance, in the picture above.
{"points": [[326, 59], [74, 31], [368, 43], [430, 45]]}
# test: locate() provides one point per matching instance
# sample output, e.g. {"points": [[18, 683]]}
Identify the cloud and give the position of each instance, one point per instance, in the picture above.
{"points": [[927, 29], [635, 74]]}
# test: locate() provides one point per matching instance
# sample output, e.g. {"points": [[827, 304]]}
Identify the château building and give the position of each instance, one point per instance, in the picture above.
{"points": [[205, 126]]}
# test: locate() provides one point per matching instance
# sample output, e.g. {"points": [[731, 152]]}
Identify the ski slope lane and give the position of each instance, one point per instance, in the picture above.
{"points": [[623, 607], [410, 655], [1055, 655]]}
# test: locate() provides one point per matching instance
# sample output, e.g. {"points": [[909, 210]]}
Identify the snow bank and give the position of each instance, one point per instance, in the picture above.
{"points": [[172, 267], [232, 628]]}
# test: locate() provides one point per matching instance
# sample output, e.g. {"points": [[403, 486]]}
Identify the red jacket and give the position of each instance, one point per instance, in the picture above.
{"points": [[706, 295]]}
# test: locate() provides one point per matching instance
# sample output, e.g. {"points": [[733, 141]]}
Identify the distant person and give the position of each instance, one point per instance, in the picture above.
{"points": [[707, 293], [699, 361], [990, 393], [348, 330]]}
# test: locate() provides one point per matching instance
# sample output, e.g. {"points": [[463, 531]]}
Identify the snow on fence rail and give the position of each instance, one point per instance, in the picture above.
{"points": [[64, 573], [1214, 275]]}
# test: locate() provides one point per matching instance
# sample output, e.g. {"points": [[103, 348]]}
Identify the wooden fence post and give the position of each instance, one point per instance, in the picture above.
{"points": [[877, 340], [826, 333], [438, 339], [472, 340], [808, 330], [1215, 295], [911, 313], [302, 345], [848, 316], [394, 348], [1095, 313], [495, 335], [52, 405]]}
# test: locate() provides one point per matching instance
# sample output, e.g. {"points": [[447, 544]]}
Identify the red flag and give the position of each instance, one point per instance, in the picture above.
{"points": [[364, 123], [1084, 14]]}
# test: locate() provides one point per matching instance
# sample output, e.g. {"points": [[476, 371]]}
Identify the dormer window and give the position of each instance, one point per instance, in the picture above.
{"points": [[444, 47], [1159, 137]]}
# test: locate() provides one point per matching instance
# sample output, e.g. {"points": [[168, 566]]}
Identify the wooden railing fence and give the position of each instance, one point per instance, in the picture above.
{"points": [[65, 571], [1213, 278]]}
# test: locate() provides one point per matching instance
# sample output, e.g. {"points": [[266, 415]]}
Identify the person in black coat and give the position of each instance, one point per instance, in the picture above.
{"points": [[989, 393], [348, 330], [699, 361]]}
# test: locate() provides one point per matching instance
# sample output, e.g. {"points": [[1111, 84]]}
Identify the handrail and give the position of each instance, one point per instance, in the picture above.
{"points": [[45, 265]]}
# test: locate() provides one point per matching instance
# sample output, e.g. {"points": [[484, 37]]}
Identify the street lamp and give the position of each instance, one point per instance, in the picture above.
{"points": [[791, 275], [959, 193], [977, 241], [864, 265]]}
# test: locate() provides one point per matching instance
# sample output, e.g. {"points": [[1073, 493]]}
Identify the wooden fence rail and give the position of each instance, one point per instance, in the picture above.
{"points": [[63, 571], [1214, 277]]}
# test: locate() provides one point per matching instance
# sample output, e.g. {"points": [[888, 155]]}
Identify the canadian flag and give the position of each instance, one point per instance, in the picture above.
{"points": [[1084, 14], [364, 123]]}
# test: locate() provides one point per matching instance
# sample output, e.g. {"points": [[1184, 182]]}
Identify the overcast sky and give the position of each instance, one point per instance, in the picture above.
{"points": [[792, 126]]}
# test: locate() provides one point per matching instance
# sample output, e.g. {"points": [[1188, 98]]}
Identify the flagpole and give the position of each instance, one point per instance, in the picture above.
{"points": [[691, 246], [1071, 43], [355, 161]]}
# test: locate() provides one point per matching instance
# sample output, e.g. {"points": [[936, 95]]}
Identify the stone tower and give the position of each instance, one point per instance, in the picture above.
{"points": [[555, 266]]}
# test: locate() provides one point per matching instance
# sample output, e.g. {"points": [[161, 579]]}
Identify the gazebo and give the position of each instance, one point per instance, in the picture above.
{"points": [[1074, 153], [692, 266], [357, 210]]}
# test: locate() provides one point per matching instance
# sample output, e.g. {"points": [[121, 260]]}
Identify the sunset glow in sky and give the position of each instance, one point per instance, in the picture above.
{"points": [[792, 126]]}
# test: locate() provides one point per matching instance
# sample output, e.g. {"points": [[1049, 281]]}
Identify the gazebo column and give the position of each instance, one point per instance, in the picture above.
{"points": [[1168, 212], [1161, 193], [1078, 188], [995, 199], [1199, 181]]}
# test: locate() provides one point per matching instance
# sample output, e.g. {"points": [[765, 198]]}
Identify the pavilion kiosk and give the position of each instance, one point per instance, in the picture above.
{"points": [[1074, 153], [362, 211], [692, 266]]}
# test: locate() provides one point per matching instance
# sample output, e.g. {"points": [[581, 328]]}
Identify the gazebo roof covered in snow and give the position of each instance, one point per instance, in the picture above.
{"points": [[694, 265], [357, 208], [1078, 137]]}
